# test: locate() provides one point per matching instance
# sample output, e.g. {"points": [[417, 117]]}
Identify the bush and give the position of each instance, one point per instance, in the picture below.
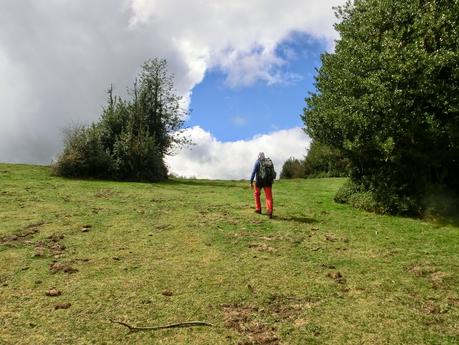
{"points": [[292, 168], [440, 202], [321, 161], [376, 200], [132, 137], [138, 158], [83, 155]]}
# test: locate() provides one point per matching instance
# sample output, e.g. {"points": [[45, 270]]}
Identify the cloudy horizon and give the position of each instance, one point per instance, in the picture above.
{"points": [[58, 58]]}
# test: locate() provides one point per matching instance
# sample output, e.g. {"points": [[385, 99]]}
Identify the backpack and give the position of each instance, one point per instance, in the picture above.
{"points": [[266, 173]]}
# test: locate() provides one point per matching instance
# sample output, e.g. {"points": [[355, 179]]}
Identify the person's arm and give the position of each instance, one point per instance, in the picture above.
{"points": [[254, 172]]}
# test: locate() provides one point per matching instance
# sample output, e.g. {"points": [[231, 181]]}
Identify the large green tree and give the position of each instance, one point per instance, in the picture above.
{"points": [[132, 136], [388, 97]]}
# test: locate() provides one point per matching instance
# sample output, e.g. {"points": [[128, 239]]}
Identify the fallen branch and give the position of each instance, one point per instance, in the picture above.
{"points": [[155, 328]]}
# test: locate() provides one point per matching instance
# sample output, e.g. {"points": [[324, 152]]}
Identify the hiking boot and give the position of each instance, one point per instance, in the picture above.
{"points": [[258, 211], [270, 215]]}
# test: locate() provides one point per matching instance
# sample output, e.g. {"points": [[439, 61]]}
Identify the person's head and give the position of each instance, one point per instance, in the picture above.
{"points": [[261, 155]]}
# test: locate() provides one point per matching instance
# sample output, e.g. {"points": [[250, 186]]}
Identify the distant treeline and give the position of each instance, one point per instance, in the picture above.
{"points": [[321, 161]]}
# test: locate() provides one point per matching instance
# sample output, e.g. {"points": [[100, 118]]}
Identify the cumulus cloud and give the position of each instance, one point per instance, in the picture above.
{"points": [[213, 159], [57, 57]]}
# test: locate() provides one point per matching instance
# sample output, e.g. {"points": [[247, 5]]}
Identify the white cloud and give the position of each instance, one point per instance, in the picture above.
{"points": [[238, 36], [213, 159], [57, 57]]}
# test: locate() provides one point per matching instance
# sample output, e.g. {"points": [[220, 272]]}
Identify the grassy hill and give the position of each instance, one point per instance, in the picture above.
{"points": [[192, 250]]}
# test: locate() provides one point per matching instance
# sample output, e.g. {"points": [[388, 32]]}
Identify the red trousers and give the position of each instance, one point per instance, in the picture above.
{"points": [[269, 199]]}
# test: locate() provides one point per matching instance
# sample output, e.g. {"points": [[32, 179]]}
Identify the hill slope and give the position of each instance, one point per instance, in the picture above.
{"points": [[191, 250]]}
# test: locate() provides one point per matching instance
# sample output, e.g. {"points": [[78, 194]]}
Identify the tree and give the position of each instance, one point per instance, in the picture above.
{"points": [[158, 107], [320, 161], [132, 136], [325, 161], [292, 168], [388, 98]]}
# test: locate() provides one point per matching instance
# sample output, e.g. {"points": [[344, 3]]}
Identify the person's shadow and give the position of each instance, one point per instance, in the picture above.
{"points": [[295, 219]]}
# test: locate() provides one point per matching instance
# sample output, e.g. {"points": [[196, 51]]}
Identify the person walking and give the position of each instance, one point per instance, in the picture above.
{"points": [[264, 175]]}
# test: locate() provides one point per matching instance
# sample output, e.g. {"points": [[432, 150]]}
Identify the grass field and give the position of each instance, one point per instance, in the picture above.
{"points": [[194, 250]]}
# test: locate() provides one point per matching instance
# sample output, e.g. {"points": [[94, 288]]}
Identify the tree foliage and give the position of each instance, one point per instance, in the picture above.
{"points": [[325, 161], [320, 161], [132, 136], [388, 98], [292, 168]]}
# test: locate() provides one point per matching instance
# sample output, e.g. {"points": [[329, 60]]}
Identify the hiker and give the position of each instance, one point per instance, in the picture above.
{"points": [[265, 175]]}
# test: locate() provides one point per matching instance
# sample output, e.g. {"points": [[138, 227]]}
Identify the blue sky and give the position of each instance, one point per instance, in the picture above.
{"points": [[238, 113], [244, 67]]}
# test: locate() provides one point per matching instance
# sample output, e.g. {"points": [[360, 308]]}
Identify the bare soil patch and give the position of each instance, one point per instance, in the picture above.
{"points": [[243, 319], [262, 247], [252, 321], [438, 279], [23, 236], [60, 267], [337, 277]]}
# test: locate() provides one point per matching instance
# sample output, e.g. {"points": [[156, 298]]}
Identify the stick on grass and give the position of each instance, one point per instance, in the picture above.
{"points": [[155, 328]]}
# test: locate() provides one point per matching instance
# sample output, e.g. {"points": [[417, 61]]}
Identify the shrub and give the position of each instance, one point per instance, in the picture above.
{"points": [[292, 168], [138, 158], [132, 137], [83, 155], [374, 199]]}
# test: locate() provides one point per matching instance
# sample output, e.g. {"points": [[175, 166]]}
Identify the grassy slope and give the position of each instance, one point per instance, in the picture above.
{"points": [[257, 280]]}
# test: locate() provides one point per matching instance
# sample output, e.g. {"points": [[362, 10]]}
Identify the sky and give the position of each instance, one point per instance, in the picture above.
{"points": [[243, 68]]}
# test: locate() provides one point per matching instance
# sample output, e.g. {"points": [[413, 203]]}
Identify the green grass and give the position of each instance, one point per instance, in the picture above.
{"points": [[319, 272]]}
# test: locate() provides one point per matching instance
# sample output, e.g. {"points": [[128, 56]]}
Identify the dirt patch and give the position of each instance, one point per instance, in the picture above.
{"points": [[243, 319], [162, 227], [437, 279], [262, 247], [62, 306], [159, 200], [337, 277], [167, 293], [330, 237], [60, 267], [287, 308], [104, 193], [249, 319], [275, 238], [421, 270], [51, 244], [53, 293], [433, 307], [241, 234], [23, 236], [453, 301]]}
